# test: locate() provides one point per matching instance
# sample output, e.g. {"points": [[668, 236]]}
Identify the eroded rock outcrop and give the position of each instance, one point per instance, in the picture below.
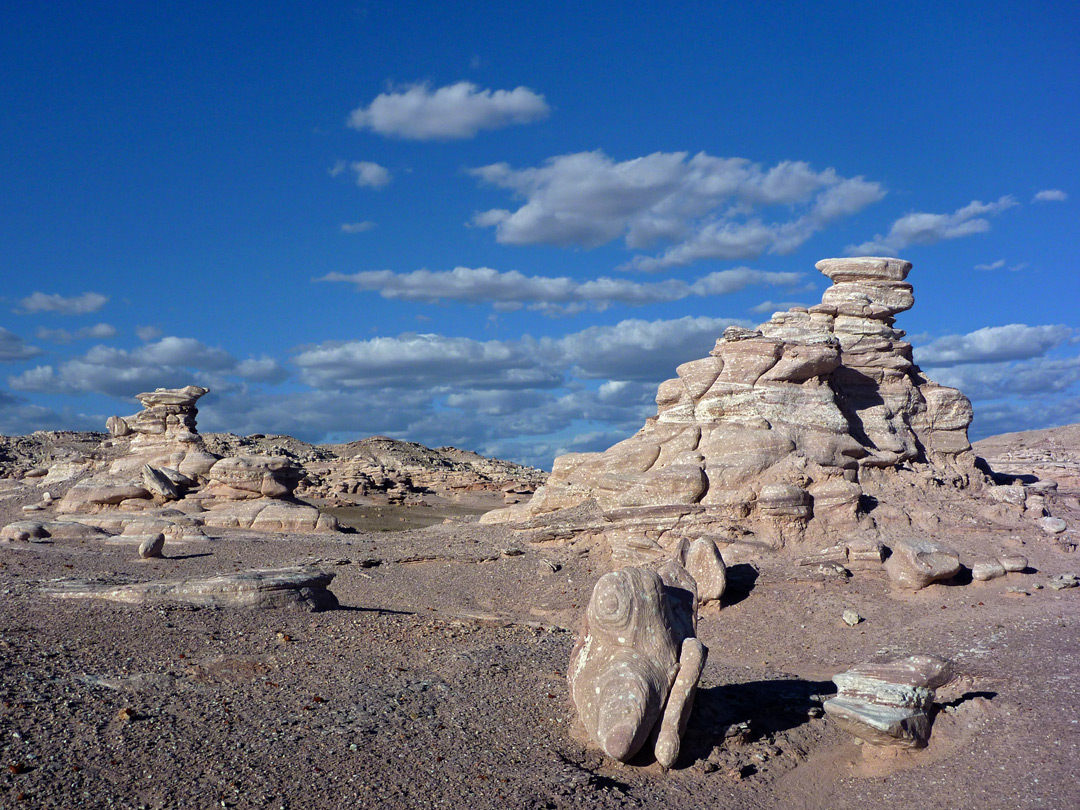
{"points": [[782, 436], [637, 662], [159, 461]]}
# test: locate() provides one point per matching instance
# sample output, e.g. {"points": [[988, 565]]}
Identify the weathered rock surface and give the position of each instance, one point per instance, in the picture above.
{"points": [[158, 459], [914, 564], [815, 425], [152, 546], [889, 704], [637, 661], [299, 586]]}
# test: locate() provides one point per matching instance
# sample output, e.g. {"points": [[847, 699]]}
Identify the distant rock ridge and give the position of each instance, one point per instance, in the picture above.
{"points": [[786, 434]]}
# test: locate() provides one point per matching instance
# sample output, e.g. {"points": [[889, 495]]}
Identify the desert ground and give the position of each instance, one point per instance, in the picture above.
{"points": [[440, 679]]}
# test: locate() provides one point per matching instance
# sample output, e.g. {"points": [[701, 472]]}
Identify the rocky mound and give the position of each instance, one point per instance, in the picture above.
{"points": [[1049, 453], [815, 428]]}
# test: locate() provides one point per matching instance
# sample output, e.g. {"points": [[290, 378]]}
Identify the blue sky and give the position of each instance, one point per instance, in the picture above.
{"points": [[500, 225]]}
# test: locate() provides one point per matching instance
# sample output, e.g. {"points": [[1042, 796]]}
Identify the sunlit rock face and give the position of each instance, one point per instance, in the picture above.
{"points": [[781, 433]]}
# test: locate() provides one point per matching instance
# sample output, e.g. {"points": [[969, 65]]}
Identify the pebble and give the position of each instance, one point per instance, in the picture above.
{"points": [[1052, 525], [851, 617], [1014, 562], [987, 570], [1063, 581], [152, 546]]}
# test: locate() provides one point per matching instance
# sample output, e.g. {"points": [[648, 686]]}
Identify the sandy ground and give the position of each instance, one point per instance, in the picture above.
{"points": [[440, 682]]}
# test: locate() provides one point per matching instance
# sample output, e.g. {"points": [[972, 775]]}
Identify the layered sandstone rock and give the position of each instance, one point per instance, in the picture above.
{"points": [[889, 704], [159, 461], [782, 434]]}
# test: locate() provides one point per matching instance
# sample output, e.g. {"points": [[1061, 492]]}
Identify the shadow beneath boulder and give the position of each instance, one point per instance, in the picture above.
{"points": [[744, 712], [741, 579], [187, 556]]}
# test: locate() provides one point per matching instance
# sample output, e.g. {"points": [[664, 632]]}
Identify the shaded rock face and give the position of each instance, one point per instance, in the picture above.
{"points": [[637, 662], [781, 431]]}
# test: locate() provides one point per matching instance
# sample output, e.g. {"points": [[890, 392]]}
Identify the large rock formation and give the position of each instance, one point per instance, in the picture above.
{"points": [[159, 460], [783, 434]]}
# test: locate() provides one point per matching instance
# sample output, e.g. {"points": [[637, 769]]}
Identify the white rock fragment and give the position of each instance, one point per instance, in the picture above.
{"points": [[152, 546]]}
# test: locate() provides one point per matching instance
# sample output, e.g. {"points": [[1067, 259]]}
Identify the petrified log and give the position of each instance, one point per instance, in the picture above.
{"points": [[637, 662]]}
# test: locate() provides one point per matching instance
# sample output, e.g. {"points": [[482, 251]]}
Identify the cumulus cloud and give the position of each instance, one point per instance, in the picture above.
{"points": [[168, 362], [641, 350], [706, 206], [13, 348], [1050, 195], [18, 417], [461, 110], [357, 227], [371, 175], [769, 307], [100, 331], [992, 344], [412, 360], [62, 305], [547, 294], [926, 229]]}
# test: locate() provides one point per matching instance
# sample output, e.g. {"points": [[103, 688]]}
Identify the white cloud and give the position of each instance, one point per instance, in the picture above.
{"points": [[703, 204], [148, 333], [424, 361], [19, 417], [456, 111], [169, 362], [357, 227], [73, 305], [1050, 195], [926, 229], [263, 369], [550, 295], [992, 344], [992, 266], [370, 175], [769, 307], [641, 350], [13, 348], [100, 331]]}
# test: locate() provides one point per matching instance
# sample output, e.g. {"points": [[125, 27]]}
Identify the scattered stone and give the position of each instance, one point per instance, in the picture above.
{"points": [[1052, 525], [985, 570], [1063, 581], [914, 564], [299, 586], [889, 704], [702, 559], [637, 661], [851, 617], [1014, 562], [1017, 591], [152, 546], [33, 507], [23, 531]]}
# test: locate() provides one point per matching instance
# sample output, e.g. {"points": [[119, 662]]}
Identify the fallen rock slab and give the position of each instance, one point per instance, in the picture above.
{"points": [[914, 564], [298, 587], [889, 704]]}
